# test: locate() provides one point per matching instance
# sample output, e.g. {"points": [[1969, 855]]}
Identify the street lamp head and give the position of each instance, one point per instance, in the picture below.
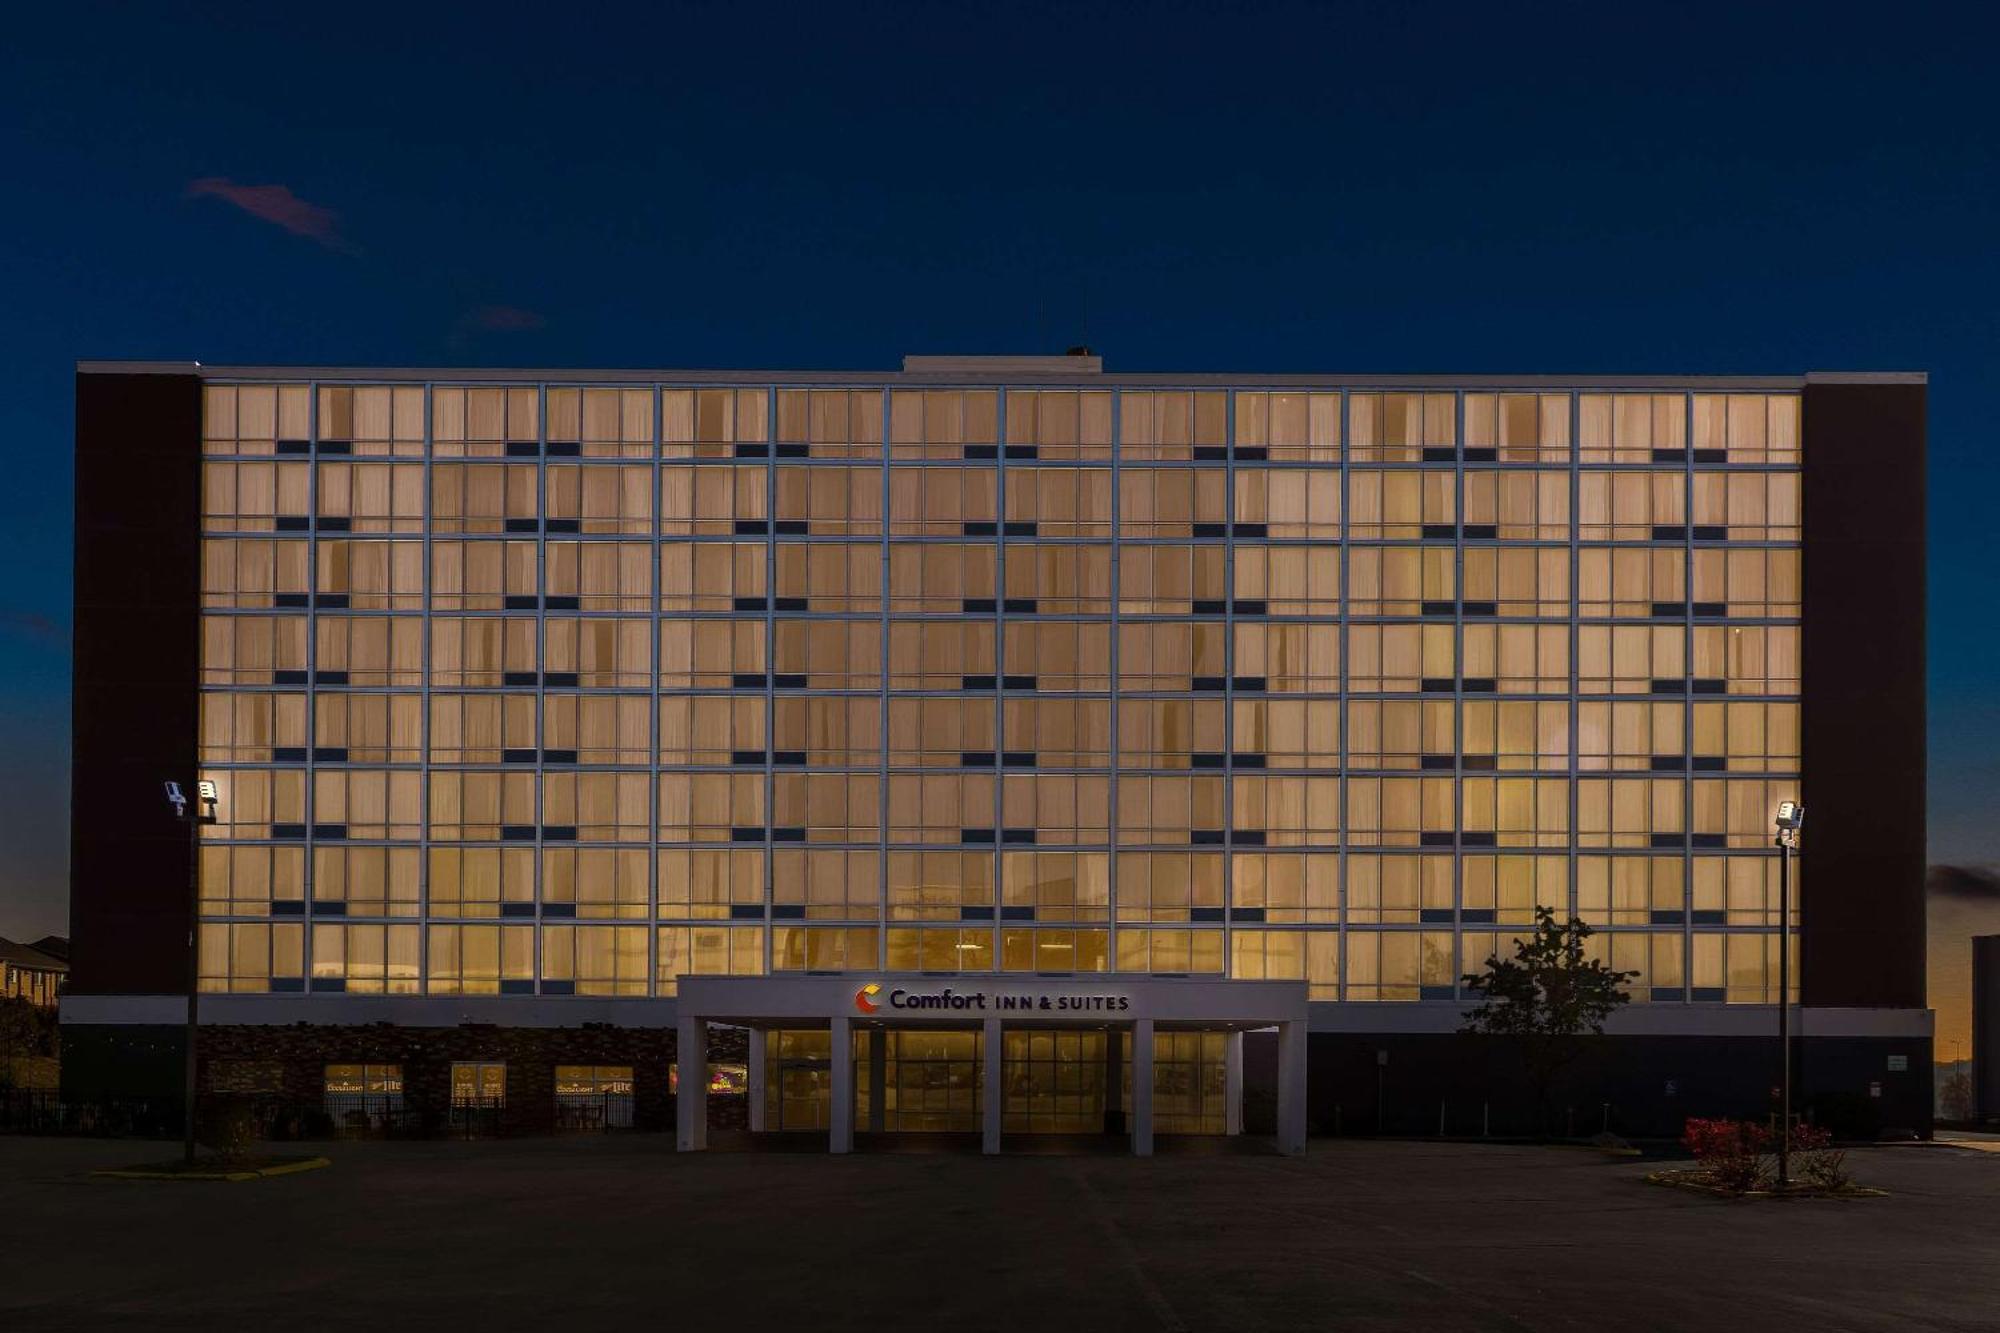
{"points": [[177, 800], [1791, 816]]}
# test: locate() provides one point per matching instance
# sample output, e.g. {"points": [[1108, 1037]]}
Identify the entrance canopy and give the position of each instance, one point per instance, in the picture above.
{"points": [[994, 1003]]}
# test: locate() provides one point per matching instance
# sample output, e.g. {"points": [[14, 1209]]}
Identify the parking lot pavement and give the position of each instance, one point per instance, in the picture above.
{"points": [[1357, 1235]]}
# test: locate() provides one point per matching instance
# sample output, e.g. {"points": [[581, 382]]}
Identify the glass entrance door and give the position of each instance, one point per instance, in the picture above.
{"points": [[1054, 1082], [931, 1081], [798, 1080]]}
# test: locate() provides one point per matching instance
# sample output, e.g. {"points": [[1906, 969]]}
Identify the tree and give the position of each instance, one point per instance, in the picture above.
{"points": [[1956, 1097], [1546, 1000], [25, 1029]]}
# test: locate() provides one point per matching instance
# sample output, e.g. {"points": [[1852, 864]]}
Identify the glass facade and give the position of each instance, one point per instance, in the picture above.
{"points": [[537, 688]]}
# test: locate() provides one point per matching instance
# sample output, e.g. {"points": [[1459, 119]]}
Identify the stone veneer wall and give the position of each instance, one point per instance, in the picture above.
{"points": [[289, 1062]]}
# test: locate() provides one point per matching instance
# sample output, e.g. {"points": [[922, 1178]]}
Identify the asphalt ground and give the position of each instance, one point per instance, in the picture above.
{"points": [[620, 1232]]}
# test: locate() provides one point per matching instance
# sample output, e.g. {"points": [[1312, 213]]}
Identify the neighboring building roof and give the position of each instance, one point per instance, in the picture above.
{"points": [[55, 946], [23, 955]]}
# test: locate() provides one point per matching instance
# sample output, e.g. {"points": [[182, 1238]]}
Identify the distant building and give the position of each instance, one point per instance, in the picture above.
{"points": [[32, 974], [1986, 1026]]}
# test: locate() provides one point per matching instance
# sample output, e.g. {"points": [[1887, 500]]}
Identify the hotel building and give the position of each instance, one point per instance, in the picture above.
{"points": [[996, 723]]}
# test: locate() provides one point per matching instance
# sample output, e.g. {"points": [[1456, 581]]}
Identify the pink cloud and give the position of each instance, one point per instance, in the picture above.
{"points": [[276, 204]]}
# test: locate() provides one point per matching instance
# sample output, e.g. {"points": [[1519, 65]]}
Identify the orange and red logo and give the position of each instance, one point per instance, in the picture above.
{"points": [[863, 998]]}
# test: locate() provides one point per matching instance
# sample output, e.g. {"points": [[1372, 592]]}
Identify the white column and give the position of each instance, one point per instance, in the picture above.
{"points": [[993, 1093], [1142, 1087], [1292, 1088], [840, 1115], [756, 1090], [691, 1104], [1232, 1083]]}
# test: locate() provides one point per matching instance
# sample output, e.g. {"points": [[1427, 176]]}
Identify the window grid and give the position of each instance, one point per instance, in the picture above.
{"points": [[1236, 471]]}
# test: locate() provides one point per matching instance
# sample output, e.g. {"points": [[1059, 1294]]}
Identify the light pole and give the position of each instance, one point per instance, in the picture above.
{"points": [[202, 812], [1790, 817]]}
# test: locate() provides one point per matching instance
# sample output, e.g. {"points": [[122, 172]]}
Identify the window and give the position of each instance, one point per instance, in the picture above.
{"points": [[1172, 580], [1173, 502], [252, 418], [832, 423], [736, 951], [1060, 501], [1289, 427], [595, 729], [1285, 580], [1400, 812], [824, 948], [1630, 812], [1399, 427], [710, 807], [382, 650], [246, 881], [711, 501], [1059, 655], [1631, 427], [1172, 426], [829, 576], [1059, 423], [1633, 582], [364, 803], [481, 807], [1747, 582], [251, 497], [1288, 733], [478, 1084], [481, 423], [1514, 812], [1057, 886], [1402, 580], [601, 882], [251, 728], [839, 501], [1631, 506], [356, 1095], [366, 881], [828, 885], [365, 959], [482, 652], [1177, 952], [942, 423], [711, 576], [1302, 659], [1395, 890], [593, 1096], [597, 807], [1168, 886], [484, 497], [939, 886], [253, 650], [711, 654], [1750, 427], [368, 728], [1748, 659], [715, 423], [1168, 733], [1171, 810], [1631, 890], [599, 653], [481, 728], [1746, 506], [1059, 580], [601, 576], [258, 803], [602, 423], [371, 576], [1518, 427], [481, 960], [1060, 733], [594, 960], [1401, 506], [707, 884], [943, 501], [1286, 887], [374, 419], [1517, 506], [254, 572], [482, 882], [370, 497]]}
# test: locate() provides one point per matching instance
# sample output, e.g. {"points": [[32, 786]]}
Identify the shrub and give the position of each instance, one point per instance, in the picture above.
{"points": [[1820, 1163], [1735, 1154], [227, 1127]]}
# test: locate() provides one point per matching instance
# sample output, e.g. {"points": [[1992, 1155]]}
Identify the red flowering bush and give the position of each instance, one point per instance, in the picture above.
{"points": [[1734, 1154]]}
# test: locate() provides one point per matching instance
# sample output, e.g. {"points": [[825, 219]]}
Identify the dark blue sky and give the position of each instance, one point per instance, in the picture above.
{"points": [[1387, 187]]}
